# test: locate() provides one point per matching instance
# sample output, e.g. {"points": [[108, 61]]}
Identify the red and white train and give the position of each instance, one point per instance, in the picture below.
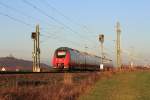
{"points": [[70, 59]]}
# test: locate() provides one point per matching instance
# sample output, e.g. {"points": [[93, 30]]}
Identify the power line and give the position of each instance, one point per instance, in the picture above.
{"points": [[22, 13], [59, 39], [29, 25], [15, 19], [51, 17], [67, 18], [18, 20], [44, 13]]}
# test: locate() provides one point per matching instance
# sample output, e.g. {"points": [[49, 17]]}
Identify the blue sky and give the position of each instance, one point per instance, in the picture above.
{"points": [[75, 24]]}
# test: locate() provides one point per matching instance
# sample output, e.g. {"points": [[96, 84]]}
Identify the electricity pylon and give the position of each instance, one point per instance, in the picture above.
{"points": [[118, 46]]}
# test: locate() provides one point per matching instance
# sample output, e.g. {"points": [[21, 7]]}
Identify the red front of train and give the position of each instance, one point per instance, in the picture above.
{"points": [[61, 59]]}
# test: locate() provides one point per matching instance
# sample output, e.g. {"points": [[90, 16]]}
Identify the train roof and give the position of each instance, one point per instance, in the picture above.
{"points": [[64, 48], [67, 48]]}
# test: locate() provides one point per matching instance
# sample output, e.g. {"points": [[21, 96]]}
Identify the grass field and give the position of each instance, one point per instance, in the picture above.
{"points": [[121, 86]]}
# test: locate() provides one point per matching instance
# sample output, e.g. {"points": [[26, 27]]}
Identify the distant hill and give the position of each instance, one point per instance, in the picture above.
{"points": [[12, 63]]}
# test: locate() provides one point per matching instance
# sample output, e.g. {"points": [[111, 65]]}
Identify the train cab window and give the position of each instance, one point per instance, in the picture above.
{"points": [[61, 54]]}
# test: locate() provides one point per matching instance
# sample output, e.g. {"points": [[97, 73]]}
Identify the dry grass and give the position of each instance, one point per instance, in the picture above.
{"points": [[66, 86]]}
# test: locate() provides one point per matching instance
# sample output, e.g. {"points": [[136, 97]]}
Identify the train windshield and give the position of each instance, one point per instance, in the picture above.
{"points": [[61, 54]]}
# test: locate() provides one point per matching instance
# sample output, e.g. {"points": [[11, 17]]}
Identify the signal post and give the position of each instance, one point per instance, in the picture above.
{"points": [[36, 50], [101, 39]]}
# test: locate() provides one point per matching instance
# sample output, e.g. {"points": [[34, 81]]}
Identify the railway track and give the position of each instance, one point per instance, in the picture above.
{"points": [[75, 71], [52, 71]]}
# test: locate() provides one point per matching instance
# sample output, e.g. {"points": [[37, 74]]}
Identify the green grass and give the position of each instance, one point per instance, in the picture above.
{"points": [[121, 86]]}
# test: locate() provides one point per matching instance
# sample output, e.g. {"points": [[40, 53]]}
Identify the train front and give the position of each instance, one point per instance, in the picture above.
{"points": [[61, 59]]}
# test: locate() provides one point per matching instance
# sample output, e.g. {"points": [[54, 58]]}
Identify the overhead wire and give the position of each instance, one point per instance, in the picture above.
{"points": [[23, 14], [44, 13], [69, 19], [54, 19], [66, 17], [15, 19], [29, 25], [20, 21], [60, 40]]}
